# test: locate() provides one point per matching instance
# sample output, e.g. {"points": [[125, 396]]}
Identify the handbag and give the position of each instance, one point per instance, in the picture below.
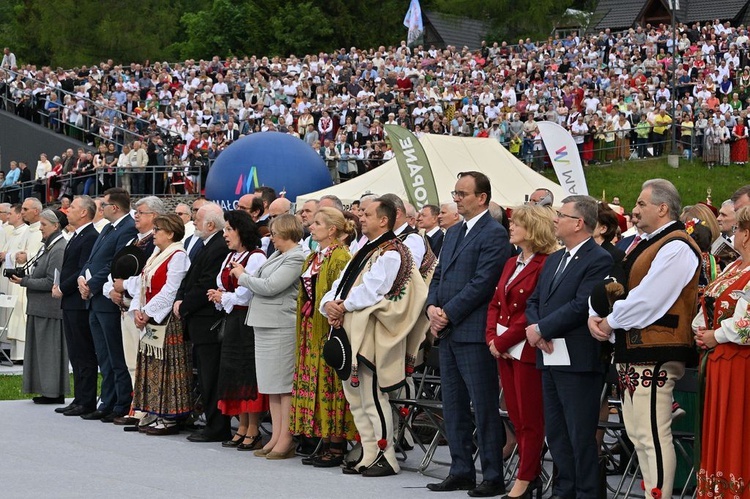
{"points": [[218, 327]]}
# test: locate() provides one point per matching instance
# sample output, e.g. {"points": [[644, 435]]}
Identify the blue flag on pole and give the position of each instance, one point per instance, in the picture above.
{"points": [[413, 21]]}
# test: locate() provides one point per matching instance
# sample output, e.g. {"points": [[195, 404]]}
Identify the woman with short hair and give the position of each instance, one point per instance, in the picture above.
{"points": [[532, 230], [272, 313]]}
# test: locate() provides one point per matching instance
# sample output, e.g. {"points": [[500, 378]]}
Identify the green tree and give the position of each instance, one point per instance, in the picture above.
{"points": [[299, 28]]}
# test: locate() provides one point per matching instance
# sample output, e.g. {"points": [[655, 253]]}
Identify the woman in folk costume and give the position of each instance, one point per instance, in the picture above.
{"points": [[45, 368], [238, 383], [738, 149], [163, 375], [319, 407], [722, 327]]}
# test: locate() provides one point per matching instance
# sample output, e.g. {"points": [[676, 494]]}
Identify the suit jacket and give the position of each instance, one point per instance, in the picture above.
{"points": [[466, 275], [107, 244], [275, 286], [561, 311], [198, 313], [436, 241], [624, 243], [76, 254], [38, 284], [508, 307]]}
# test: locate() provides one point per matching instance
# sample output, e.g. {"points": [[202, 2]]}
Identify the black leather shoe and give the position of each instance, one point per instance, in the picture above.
{"points": [[48, 400], [110, 418], [203, 438], [78, 410], [93, 416], [381, 467], [68, 407], [488, 489], [452, 483]]}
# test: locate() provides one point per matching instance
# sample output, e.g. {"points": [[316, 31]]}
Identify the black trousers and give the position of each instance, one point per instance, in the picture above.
{"points": [[207, 358], [82, 356]]}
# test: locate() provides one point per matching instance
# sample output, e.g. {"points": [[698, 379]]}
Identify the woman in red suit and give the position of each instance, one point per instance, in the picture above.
{"points": [[532, 230]]}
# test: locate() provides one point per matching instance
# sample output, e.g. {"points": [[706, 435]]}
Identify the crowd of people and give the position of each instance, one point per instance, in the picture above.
{"points": [[621, 95], [320, 316]]}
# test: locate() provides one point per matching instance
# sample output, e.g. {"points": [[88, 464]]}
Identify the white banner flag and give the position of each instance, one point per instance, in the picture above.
{"points": [[413, 21], [563, 153]]}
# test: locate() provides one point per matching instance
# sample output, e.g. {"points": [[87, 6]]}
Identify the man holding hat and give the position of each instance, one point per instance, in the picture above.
{"points": [[374, 306]]}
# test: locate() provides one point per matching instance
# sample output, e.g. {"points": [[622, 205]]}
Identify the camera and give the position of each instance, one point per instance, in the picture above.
{"points": [[17, 272]]}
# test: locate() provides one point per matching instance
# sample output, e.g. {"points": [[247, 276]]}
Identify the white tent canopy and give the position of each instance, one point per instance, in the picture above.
{"points": [[511, 179]]}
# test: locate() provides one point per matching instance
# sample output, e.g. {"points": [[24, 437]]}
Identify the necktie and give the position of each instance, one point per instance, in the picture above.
{"points": [[632, 246], [461, 234], [560, 269]]}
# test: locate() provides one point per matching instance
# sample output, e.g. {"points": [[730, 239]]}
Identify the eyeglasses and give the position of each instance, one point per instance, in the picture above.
{"points": [[157, 229], [182, 213], [563, 215], [461, 194], [139, 213], [104, 205], [194, 210]]}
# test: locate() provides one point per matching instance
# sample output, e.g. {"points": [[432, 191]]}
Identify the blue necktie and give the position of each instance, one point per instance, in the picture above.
{"points": [[560, 269]]}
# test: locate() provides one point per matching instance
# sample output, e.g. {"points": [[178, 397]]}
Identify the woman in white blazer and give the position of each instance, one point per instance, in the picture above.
{"points": [[272, 312]]}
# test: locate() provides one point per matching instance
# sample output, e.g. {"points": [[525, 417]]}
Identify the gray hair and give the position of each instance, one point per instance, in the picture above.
{"points": [[153, 203], [36, 204], [335, 200], [450, 206], [368, 197], [664, 191], [397, 202], [213, 213], [728, 202], [586, 208], [50, 216], [89, 205]]}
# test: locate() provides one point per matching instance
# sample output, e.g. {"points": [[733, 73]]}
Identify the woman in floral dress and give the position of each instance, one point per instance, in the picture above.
{"points": [[319, 408], [722, 327]]}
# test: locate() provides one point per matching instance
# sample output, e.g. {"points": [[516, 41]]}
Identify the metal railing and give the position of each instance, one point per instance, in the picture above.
{"points": [[163, 181]]}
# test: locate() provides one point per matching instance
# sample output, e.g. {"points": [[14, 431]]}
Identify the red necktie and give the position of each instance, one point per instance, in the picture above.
{"points": [[632, 246]]}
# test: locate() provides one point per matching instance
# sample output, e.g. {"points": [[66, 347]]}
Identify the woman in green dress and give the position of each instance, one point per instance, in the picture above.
{"points": [[319, 408]]}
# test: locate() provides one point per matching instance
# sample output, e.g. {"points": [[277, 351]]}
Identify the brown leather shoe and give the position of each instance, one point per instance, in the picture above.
{"points": [[126, 421]]}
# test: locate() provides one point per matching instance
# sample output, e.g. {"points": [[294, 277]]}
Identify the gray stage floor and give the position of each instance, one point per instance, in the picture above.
{"points": [[49, 455]]}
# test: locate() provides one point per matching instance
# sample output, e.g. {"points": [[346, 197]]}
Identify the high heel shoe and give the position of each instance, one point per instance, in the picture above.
{"points": [[534, 485], [233, 442], [255, 442]]}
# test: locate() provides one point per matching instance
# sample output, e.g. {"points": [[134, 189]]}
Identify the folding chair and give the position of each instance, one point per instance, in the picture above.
{"points": [[7, 304]]}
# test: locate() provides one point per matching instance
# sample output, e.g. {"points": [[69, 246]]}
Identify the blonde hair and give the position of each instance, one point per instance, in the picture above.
{"points": [[704, 214], [287, 227], [335, 218], [743, 218], [539, 225]]}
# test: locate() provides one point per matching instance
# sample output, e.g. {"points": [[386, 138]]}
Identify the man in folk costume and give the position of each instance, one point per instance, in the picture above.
{"points": [[121, 291], [652, 329], [379, 301], [425, 260], [25, 247]]}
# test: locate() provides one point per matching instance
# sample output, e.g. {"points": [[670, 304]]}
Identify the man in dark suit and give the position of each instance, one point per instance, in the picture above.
{"points": [[558, 310], [76, 327], [104, 316], [201, 318], [473, 255], [427, 220]]}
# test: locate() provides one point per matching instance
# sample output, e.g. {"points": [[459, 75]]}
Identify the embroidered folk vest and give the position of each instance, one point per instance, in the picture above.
{"points": [[669, 337]]}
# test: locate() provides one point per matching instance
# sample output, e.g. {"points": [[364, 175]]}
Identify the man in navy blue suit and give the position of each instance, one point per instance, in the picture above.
{"points": [[75, 315], [104, 315], [473, 255], [558, 310]]}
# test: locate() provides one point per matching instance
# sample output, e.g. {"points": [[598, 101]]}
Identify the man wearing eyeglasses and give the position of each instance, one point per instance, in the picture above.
{"points": [[472, 257], [183, 211], [557, 312], [104, 316], [121, 291]]}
